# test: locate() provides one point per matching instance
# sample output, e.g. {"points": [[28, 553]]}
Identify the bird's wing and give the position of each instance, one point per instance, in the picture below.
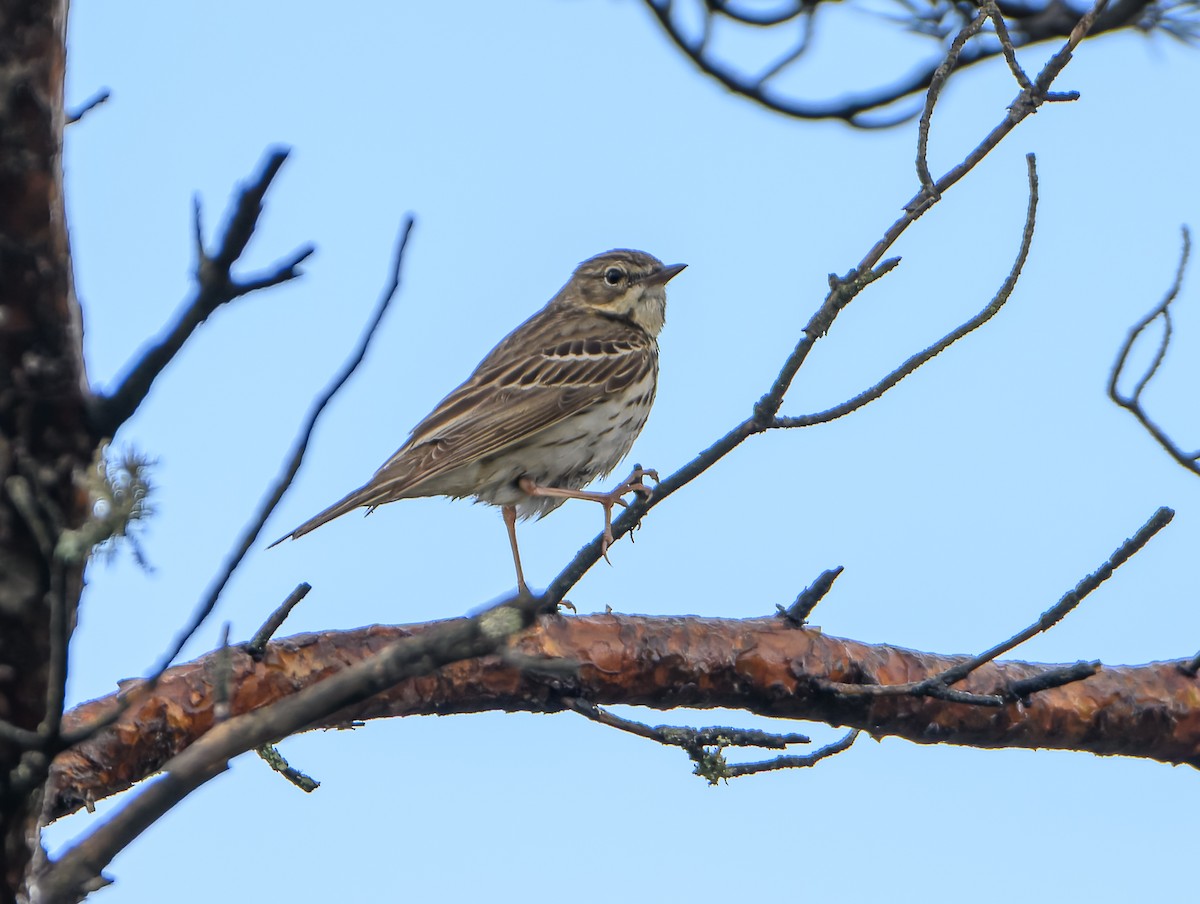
{"points": [[554, 365], [534, 379]]}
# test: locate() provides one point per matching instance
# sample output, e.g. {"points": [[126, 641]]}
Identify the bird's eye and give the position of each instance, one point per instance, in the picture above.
{"points": [[613, 276]]}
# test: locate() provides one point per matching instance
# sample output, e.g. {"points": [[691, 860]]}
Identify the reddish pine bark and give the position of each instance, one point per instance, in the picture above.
{"points": [[759, 665]]}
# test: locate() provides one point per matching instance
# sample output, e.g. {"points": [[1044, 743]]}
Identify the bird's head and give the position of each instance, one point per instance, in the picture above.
{"points": [[631, 285]]}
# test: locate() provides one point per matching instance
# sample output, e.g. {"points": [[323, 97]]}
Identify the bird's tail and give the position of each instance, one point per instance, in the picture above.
{"points": [[360, 497]]}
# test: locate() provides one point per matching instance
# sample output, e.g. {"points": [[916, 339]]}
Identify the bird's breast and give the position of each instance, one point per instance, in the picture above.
{"points": [[571, 453]]}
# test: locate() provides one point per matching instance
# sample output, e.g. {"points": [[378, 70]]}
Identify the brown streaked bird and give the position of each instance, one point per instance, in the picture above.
{"points": [[555, 405]]}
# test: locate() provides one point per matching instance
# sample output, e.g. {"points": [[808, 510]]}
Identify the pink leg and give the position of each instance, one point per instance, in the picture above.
{"points": [[510, 521], [632, 484]]}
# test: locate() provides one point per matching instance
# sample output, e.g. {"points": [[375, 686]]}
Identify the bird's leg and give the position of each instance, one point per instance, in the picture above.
{"points": [[632, 484], [510, 521]]}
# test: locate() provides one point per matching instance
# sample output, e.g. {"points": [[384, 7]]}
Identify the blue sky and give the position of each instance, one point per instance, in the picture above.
{"points": [[525, 138]]}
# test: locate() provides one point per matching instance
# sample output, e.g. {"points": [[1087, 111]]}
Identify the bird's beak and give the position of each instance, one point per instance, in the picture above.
{"points": [[665, 275]]}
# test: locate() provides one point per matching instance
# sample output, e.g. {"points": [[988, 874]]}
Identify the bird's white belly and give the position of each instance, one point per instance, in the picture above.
{"points": [[568, 455]]}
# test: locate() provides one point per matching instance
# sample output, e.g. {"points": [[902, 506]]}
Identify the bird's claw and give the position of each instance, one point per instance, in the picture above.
{"points": [[632, 484]]}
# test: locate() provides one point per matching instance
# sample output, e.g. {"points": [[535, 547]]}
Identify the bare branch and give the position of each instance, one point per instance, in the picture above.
{"points": [[795, 762], [1014, 26], [275, 620], [215, 286], [250, 534], [100, 97], [273, 758], [842, 291], [940, 76], [939, 685], [924, 357], [295, 458], [798, 612], [704, 746], [675, 736], [1133, 401], [1006, 45], [759, 665], [410, 657]]}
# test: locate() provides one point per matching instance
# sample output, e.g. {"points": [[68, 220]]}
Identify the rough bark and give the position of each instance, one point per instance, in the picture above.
{"points": [[44, 441], [762, 665]]}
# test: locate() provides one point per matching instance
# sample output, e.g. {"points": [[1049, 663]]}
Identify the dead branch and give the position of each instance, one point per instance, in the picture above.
{"points": [[417, 654], [923, 357], [276, 619], [765, 413], [265, 509], [1014, 25], [215, 286], [727, 771], [760, 665], [236, 702], [798, 612], [939, 685], [100, 97], [706, 746], [1132, 402], [296, 454]]}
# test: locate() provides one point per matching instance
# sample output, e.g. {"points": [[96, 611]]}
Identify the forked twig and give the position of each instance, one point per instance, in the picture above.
{"points": [[706, 746], [880, 106], [842, 291], [215, 286], [267, 506], [294, 459], [1132, 402], [939, 685]]}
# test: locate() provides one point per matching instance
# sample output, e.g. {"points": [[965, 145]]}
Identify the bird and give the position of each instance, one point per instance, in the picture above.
{"points": [[555, 405]]}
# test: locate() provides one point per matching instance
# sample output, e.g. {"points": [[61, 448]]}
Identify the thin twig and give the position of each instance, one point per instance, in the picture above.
{"points": [[88, 106], [704, 746], [275, 620], [273, 758], [924, 357], [267, 506], [294, 460], [1026, 687], [808, 12], [868, 110], [937, 685], [1006, 45], [420, 654], [794, 762], [940, 76], [842, 290], [675, 736], [798, 612], [1133, 401], [215, 286]]}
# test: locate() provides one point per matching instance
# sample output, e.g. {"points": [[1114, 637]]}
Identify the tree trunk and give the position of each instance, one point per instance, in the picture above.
{"points": [[44, 441]]}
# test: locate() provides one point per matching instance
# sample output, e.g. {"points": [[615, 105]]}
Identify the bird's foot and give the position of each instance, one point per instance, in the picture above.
{"points": [[632, 484]]}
